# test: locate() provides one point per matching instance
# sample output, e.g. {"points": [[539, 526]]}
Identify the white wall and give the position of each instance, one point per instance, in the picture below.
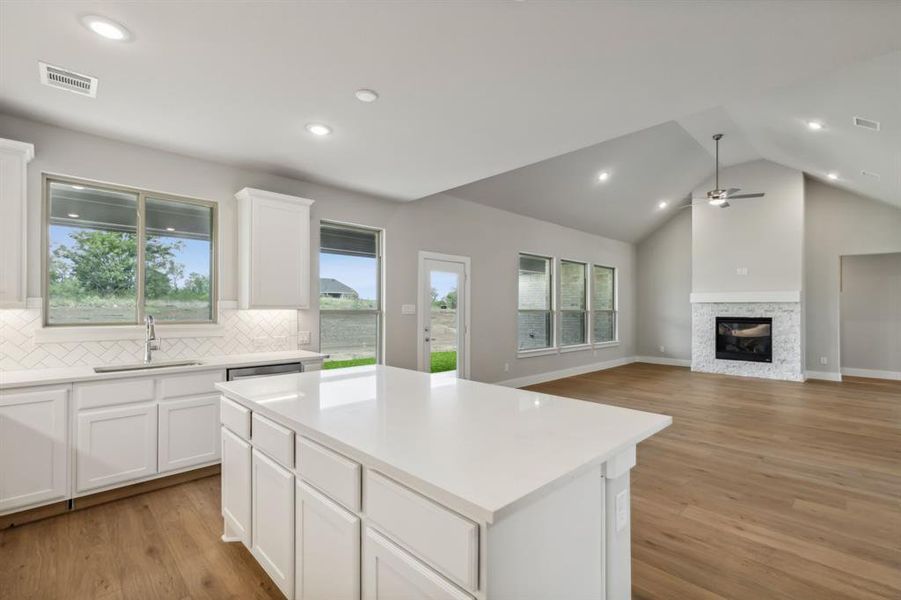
{"points": [[871, 312], [765, 235], [491, 237], [663, 313], [838, 223]]}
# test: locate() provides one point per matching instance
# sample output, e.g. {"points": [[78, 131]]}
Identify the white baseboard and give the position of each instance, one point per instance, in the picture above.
{"points": [[872, 373], [664, 360], [824, 375], [560, 374]]}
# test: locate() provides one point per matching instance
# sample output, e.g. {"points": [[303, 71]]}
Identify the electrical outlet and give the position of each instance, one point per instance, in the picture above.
{"points": [[622, 510], [303, 338], [824, 360], [662, 348]]}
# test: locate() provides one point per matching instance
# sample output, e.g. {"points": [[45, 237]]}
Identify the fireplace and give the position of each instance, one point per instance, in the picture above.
{"points": [[744, 338]]}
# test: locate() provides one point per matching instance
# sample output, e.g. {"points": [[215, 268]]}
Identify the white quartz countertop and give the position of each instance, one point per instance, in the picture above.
{"points": [[485, 447], [30, 377]]}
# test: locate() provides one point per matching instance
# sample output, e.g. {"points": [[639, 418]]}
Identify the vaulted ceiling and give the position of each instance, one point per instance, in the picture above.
{"points": [[472, 90]]}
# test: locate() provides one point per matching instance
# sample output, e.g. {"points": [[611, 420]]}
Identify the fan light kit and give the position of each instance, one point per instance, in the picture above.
{"points": [[720, 197], [319, 129], [106, 28]]}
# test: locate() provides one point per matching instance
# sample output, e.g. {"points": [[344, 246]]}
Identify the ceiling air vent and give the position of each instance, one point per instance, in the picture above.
{"points": [[866, 123], [65, 79]]}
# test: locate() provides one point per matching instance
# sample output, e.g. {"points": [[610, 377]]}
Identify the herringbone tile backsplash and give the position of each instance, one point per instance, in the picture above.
{"points": [[245, 331]]}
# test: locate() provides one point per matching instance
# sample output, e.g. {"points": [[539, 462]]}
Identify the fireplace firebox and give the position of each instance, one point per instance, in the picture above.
{"points": [[744, 338]]}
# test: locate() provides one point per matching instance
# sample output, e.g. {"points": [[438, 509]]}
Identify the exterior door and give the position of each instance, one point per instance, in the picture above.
{"points": [[443, 318]]}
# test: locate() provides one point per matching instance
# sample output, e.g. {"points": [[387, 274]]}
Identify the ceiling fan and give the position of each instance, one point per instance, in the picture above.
{"points": [[719, 197]]}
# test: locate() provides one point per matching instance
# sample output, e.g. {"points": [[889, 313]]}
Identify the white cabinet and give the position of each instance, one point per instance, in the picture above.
{"points": [[33, 450], [115, 445], [236, 467], [272, 527], [14, 156], [188, 432], [390, 573], [273, 250], [327, 548]]}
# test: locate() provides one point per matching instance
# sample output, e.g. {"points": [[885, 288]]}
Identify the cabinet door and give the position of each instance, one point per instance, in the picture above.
{"points": [[390, 573], [189, 432], [33, 447], [236, 488], [327, 548], [14, 157], [280, 254], [115, 445], [272, 528]]}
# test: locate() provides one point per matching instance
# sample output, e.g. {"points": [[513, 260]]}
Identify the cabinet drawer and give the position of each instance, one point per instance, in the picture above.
{"points": [[337, 476], [442, 538], [193, 384], [235, 417], [108, 393], [273, 439]]}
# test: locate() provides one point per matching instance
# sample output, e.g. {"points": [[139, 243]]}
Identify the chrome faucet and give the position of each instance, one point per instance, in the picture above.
{"points": [[149, 336]]}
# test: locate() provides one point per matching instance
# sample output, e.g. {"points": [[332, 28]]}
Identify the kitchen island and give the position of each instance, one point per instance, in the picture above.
{"points": [[379, 482]]}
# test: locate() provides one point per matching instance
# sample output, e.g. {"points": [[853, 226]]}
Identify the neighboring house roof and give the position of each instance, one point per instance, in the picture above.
{"points": [[333, 286]]}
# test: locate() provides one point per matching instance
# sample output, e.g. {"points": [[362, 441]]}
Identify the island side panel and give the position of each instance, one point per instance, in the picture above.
{"points": [[553, 546], [618, 498]]}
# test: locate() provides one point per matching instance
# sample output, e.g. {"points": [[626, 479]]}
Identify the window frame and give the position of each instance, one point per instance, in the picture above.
{"points": [[615, 341], [586, 327], [552, 346], [142, 194], [380, 287]]}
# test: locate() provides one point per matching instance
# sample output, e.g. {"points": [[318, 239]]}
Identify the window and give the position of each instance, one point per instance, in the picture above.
{"points": [[603, 304], [349, 295], [573, 303], [115, 254], [534, 321]]}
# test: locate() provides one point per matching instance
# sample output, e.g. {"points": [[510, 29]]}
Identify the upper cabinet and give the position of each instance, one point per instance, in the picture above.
{"points": [[14, 156], [273, 250]]}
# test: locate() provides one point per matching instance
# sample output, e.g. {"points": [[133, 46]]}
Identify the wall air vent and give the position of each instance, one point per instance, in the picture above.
{"points": [[866, 123], [65, 79], [871, 175]]}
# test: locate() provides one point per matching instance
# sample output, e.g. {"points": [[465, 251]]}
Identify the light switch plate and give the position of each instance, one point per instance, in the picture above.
{"points": [[741, 271], [622, 510], [408, 309]]}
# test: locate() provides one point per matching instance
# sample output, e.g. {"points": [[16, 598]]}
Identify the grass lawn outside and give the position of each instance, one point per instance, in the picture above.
{"points": [[441, 362]]}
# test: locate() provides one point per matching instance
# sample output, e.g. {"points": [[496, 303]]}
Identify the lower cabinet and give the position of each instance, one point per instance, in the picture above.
{"points": [[115, 445], [272, 525], [390, 573], [189, 432], [33, 450], [236, 468], [327, 548]]}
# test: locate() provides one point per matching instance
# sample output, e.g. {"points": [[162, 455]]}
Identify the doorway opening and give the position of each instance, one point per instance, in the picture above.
{"points": [[443, 332]]}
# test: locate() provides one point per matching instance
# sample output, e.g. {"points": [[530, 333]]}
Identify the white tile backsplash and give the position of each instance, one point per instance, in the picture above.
{"points": [[244, 331]]}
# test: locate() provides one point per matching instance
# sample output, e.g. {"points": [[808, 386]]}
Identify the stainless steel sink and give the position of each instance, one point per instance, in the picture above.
{"points": [[143, 366]]}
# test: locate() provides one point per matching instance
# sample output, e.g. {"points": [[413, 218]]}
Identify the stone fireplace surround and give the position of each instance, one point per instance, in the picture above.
{"points": [[785, 310]]}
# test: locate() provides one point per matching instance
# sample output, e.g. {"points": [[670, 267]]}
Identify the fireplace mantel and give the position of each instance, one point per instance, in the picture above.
{"points": [[745, 297]]}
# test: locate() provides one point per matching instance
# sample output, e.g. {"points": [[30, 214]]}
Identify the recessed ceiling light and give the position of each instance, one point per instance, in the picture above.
{"points": [[106, 28], [74, 215], [814, 125], [662, 204], [603, 176], [833, 175], [365, 95], [170, 228], [318, 129], [77, 187]]}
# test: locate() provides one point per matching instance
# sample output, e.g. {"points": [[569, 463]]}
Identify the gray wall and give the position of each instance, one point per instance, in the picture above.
{"points": [[491, 237], [838, 223], [871, 312], [664, 284], [766, 235]]}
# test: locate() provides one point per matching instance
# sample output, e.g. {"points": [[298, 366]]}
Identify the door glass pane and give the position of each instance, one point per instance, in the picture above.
{"points": [[178, 260], [572, 328], [351, 339], [444, 325], [534, 329], [92, 255]]}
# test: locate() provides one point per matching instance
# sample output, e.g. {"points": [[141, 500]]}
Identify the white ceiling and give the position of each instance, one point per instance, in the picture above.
{"points": [[469, 90]]}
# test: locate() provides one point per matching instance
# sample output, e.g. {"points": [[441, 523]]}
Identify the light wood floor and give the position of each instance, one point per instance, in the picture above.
{"points": [[760, 490]]}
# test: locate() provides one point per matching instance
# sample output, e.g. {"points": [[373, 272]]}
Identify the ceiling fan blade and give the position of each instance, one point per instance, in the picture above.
{"points": [[761, 195], [731, 191]]}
